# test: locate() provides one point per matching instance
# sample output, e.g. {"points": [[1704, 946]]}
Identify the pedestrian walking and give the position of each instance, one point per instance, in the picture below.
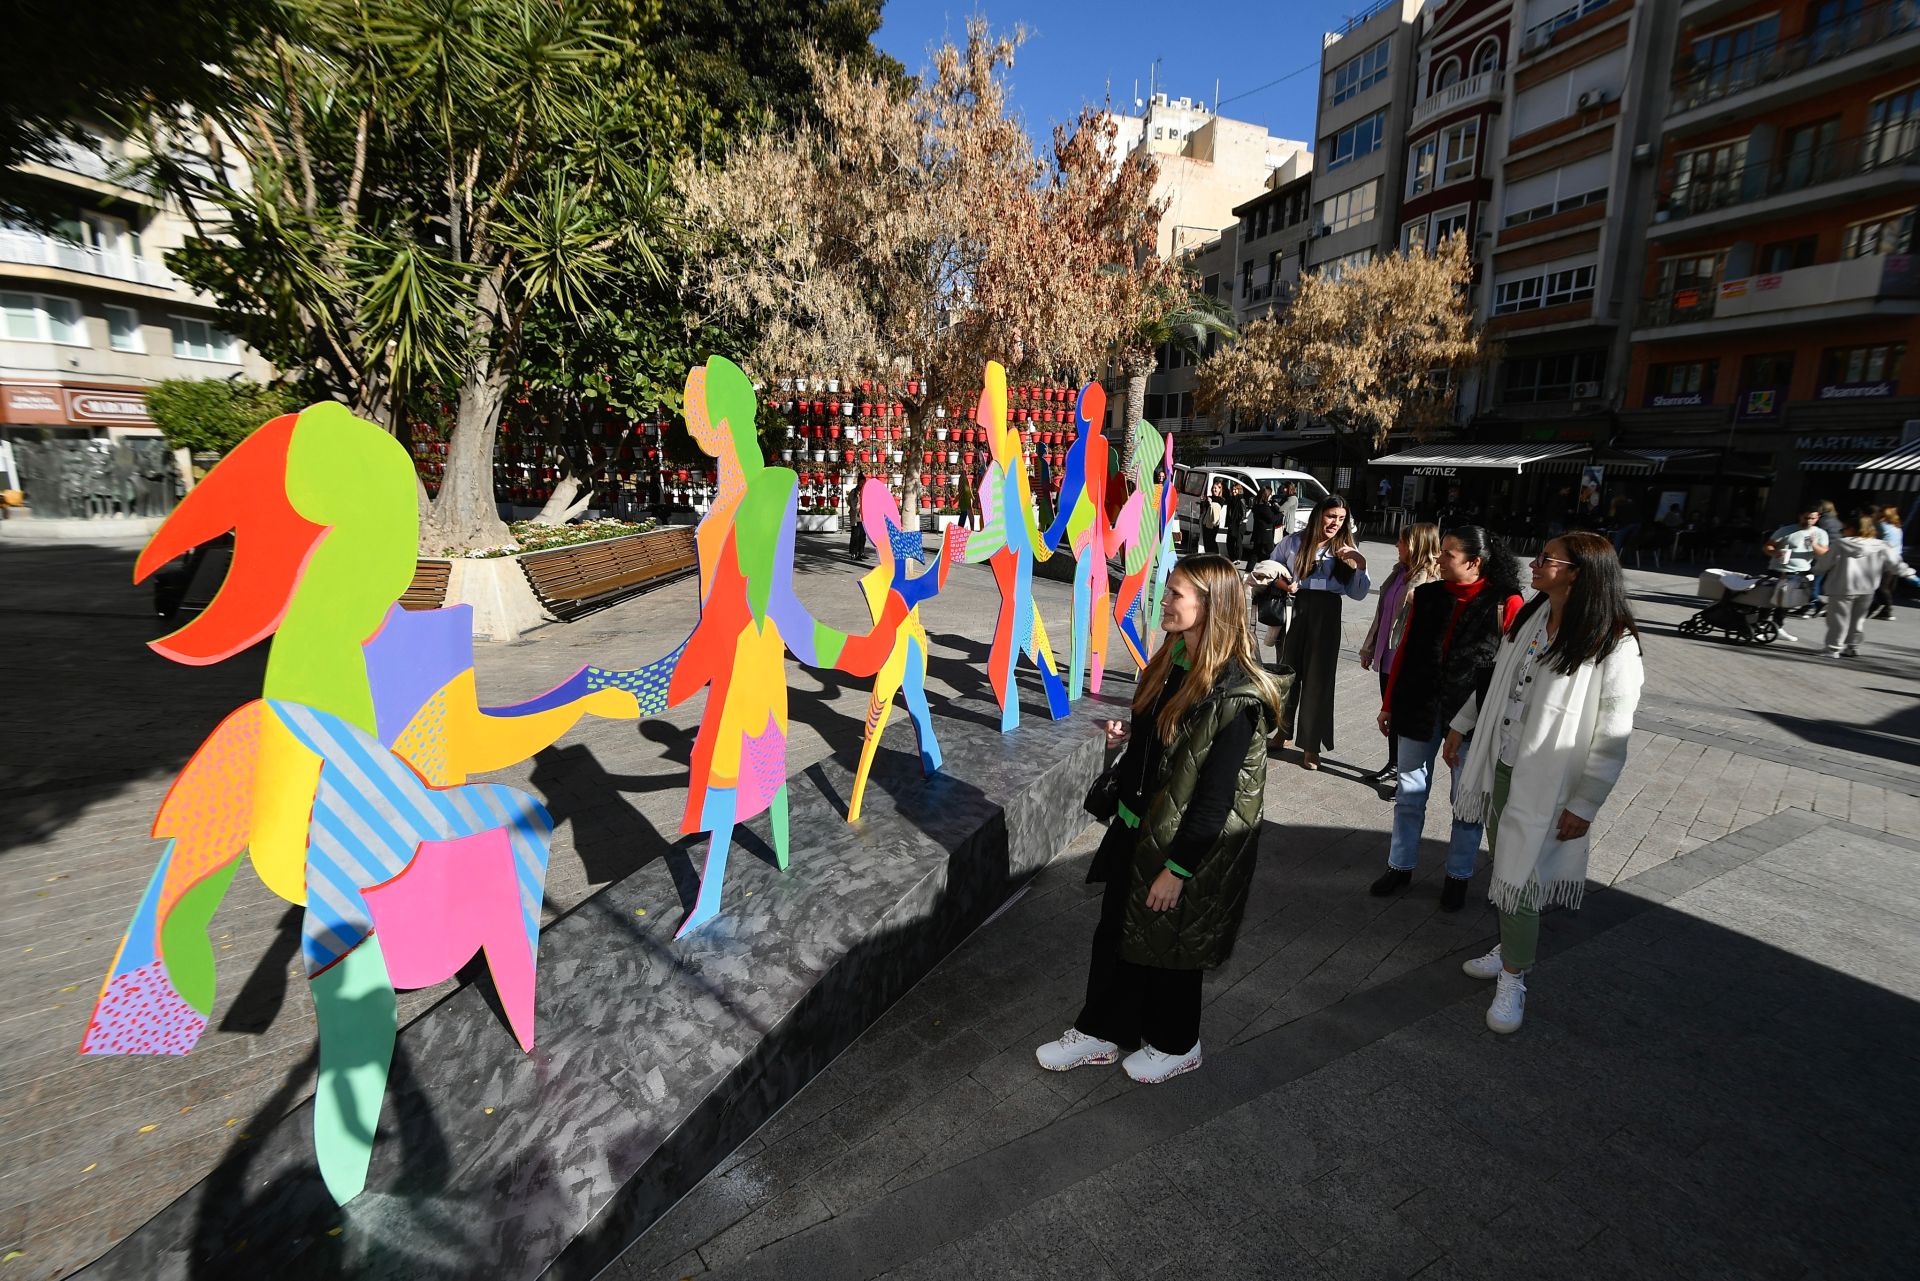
{"points": [[1895, 537], [1213, 516], [1418, 564], [1271, 603], [1445, 660], [1318, 566], [1791, 551], [1267, 517], [1564, 691], [1185, 800], [1289, 509], [1856, 565], [857, 533], [1831, 527]]}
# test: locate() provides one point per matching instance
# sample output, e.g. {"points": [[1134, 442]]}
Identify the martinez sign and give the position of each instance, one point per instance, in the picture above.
{"points": [[1436, 471]]}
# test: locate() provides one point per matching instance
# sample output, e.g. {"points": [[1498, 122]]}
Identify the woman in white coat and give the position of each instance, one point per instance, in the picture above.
{"points": [[1555, 723]]}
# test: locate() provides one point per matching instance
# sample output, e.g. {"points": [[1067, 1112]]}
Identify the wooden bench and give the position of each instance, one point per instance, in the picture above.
{"points": [[571, 581], [428, 590]]}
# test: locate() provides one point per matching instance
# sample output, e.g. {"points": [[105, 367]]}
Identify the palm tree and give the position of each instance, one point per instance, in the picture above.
{"points": [[1186, 319]]}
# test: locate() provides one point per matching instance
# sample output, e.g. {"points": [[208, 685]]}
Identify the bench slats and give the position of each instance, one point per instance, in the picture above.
{"points": [[571, 581]]}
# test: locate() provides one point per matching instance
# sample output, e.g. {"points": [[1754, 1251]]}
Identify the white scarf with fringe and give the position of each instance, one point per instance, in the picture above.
{"points": [[1572, 747]]}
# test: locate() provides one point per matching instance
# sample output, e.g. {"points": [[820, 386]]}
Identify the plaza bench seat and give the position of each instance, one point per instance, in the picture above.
{"points": [[428, 590], [572, 581]]}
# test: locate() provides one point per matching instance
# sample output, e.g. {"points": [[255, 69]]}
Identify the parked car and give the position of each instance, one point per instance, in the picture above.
{"points": [[1195, 484]]}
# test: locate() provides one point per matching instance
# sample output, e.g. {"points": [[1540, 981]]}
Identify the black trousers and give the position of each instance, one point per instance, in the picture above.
{"points": [[1129, 1003]]}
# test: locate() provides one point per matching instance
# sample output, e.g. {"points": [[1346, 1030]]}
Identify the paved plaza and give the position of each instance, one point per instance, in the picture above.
{"points": [[1713, 1079]]}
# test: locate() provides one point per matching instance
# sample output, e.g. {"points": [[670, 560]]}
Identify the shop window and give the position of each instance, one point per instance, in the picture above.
{"points": [[1532, 379], [1876, 362], [43, 318], [1683, 378], [1786, 255], [1888, 234], [1360, 72]]}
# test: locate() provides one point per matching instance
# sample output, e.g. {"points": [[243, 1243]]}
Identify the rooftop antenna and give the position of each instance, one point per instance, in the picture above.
{"points": [[1152, 73], [1216, 95]]}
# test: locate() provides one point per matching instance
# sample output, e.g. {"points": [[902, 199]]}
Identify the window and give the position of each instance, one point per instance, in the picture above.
{"points": [[1458, 148], [123, 329], [1530, 379], [1451, 223], [1211, 285], [1486, 57], [1807, 155], [1888, 234], [1246, 279], [41, 318], [1727, 61], [1550, 288], [1345, 263], [1413, 235], [1557, 191], [1362, 138], [1688, 378], [1766, 371], [1362, 71], [1786, 255], [195, 339], [1709, 177], [1448, 75], [1260, 223], [1893, 128], [1879, 362], [1693, 275], [1351, 207], [1186, 404], [1420, 166], [1152, 406]]}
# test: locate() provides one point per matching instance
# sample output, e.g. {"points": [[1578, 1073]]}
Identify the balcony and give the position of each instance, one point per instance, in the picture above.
{"points": [[1840, 290], [1851, 168], [30, 249], [105, 165], [1461, 93], [1790, 68]]}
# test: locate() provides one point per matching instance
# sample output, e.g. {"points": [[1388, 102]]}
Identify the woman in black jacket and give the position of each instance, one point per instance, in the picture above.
{"points": [[1177, 860], [1446, 656]]}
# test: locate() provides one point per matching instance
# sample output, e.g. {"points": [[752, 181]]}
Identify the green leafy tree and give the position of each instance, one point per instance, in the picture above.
{"points": [[215, 414]]}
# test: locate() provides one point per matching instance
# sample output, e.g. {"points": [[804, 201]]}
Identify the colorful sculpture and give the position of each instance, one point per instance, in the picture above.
{"points": [[1082, 518], [1011, 541], [749, 619], [1145, 530], [906, 663], [345, 782]]}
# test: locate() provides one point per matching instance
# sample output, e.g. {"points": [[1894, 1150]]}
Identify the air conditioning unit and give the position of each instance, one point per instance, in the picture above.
{"points": [[1593, 98], [1586, 391], [1321, 229], [1538, 38]]}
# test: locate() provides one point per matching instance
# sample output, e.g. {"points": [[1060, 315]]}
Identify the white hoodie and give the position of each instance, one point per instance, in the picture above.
{"points": [[1859, 566]]}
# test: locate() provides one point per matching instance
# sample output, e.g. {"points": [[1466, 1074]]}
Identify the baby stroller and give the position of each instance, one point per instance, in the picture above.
{"points": [[1742, 605]]}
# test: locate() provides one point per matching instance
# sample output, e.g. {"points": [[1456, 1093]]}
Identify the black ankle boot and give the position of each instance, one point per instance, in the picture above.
{"points": [[1453, 895], [1392, 881]]}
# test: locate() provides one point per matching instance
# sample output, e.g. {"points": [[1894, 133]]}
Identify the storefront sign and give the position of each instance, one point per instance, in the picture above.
{"points": [[1436, 471], [1762, 402], [1856, 391], [31, 403], [1664, 400], [108, 407], [1826, 444]]}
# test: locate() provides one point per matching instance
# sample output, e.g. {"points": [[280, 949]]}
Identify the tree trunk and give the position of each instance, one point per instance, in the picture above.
{"points": [[1136, 376], [916, 446], [571, 497], [465, 514]]}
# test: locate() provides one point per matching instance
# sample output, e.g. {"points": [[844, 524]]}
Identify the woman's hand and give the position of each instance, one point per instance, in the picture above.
{"points": [[1164, 893], [1572, 826], [1352, 557], [1450, 750], [1385, 722], [1287, 585], [1366, 660], [1118, 732]]}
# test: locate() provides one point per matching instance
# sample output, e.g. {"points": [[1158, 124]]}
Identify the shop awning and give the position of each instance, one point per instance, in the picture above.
{"points": [[1511, 458], [1618, 462], [1897, 472], [1660, 458], [1830, 462]]}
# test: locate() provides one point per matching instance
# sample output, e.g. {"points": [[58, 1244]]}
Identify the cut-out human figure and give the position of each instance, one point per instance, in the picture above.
{"points": [[1082, 519], [1145, 529], [905, 669], [345, 782], [749, 619], [1011, 541]]}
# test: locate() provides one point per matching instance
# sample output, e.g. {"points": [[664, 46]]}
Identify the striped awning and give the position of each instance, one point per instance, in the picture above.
{"points": [[1830, 462], [1897, 472], [1618, 462], [1661, 457], [1513, 458]]}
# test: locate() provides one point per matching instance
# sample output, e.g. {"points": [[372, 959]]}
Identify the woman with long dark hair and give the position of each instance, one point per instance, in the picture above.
{"points": [[1444, 661], [1318, 566], [1557, 717], [1185, 802]]}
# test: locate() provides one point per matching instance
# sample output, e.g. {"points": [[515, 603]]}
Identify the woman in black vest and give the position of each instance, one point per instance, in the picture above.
{"points": [[1185, 800], [1445, 658], [1318, 566]]}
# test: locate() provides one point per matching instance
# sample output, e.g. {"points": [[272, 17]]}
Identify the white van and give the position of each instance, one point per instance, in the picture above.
{"points": [[1196, 483]]}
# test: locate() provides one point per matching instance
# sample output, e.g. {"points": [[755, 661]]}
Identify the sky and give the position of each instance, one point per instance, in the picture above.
{"points": [[1079, 51]]}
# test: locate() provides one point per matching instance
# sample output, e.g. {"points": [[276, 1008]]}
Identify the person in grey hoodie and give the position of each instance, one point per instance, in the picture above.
{"points": [[1856, 565]]}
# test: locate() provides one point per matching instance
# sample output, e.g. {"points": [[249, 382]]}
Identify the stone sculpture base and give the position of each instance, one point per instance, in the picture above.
{"points": [[654, 1059]]}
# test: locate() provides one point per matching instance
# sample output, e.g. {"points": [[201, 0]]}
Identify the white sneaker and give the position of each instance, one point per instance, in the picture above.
{"points": [[1075, 1049], [1150, 1067], [1786, 636], [1484, 967], [1509, 1003]]}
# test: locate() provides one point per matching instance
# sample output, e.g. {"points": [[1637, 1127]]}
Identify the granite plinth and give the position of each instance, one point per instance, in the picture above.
{"points": [[654, 1058]]}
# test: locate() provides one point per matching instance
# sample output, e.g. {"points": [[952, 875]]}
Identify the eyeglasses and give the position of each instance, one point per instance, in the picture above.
{"points": [[1538, 561]]}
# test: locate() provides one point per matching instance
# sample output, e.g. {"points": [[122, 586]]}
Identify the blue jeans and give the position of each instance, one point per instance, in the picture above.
{"points": [[1415, 760]]}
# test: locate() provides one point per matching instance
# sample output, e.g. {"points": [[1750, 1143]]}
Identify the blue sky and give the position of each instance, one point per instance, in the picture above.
{"points": [[1077, 50]]}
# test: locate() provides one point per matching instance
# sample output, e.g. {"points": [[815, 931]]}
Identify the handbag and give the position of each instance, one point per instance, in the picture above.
{"points": [[1271, 608], [1103, 798]]}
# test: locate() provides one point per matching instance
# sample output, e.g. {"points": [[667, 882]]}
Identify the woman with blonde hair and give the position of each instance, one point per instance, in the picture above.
{"points": [[1185, 800], [1887, 522], [1418, 565], [1318, 566]]}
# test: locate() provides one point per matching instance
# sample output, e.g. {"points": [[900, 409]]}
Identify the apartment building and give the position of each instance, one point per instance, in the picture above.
{"points": [[1781, 292], [1366, 81], [89, 317]]}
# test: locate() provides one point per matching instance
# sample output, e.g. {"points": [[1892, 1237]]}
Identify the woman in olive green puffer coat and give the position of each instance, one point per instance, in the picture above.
{"points": [[1178, 858]]}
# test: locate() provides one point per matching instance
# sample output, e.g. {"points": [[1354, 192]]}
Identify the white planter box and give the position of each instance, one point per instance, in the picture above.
{"points": [[819, 524]]}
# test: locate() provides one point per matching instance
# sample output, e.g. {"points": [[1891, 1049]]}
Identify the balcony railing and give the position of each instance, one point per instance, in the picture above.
{"points": [[77, 158], [1797, 171], [1487, 84], [1823, 284], [1697, 86], [34, 250]]}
